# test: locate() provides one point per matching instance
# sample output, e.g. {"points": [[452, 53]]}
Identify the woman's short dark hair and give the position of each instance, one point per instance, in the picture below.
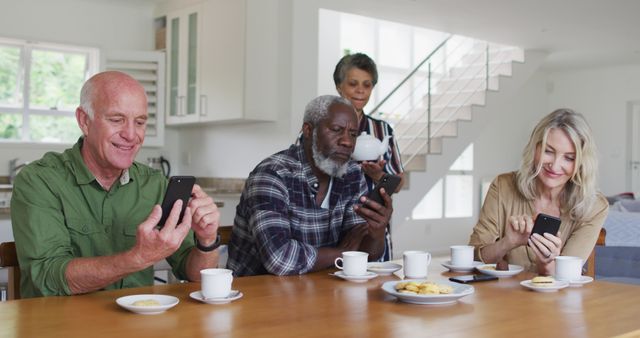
{"points": [[358, 60]]}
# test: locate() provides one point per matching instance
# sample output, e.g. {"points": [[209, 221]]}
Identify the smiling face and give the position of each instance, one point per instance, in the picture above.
{"points": [[356, 87], [115, 134], [557, 158], [334, 139]]}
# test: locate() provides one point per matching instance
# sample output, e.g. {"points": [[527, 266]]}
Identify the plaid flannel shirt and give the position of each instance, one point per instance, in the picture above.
{"points": [[279, 226]]}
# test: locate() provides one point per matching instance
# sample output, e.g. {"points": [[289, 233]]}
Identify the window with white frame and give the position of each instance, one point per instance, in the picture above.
{"points": [[451, 196], [396, 48], [40, 89]]}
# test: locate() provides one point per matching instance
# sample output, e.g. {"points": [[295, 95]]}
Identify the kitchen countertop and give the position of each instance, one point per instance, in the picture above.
{"points": [[214, 186]]}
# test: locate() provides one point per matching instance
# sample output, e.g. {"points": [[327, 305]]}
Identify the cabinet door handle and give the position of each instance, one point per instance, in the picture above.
{"points": [[203, 105], [181, 106]]}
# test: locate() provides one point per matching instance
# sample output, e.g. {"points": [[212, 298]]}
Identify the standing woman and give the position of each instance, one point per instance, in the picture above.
{"points": [[558, 178], [355, 76]]}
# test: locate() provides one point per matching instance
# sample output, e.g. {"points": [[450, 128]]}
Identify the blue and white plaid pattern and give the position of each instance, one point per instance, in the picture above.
{"points": [[279, 226]]}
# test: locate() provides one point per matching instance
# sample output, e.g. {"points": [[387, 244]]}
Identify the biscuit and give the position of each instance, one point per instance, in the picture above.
{"points": [[146, 302], [542, 280]]}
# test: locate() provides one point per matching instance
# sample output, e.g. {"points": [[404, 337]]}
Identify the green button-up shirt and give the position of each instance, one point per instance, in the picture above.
{"points": [[59, 212]]}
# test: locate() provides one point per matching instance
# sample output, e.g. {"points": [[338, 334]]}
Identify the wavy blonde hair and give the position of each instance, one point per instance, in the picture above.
{"points": [[580, 191]]}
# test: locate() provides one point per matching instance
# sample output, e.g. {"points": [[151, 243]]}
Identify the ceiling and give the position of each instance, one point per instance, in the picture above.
{"points": [[576, 33]]}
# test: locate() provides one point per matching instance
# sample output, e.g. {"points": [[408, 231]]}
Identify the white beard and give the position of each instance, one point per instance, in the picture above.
{"points": [[324, 163]]}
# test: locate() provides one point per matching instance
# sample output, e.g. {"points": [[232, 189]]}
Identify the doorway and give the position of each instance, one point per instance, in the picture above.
{"points": [[633, 151]]}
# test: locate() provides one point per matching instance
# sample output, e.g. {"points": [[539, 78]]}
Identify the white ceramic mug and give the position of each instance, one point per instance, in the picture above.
{"points": [[416, 264], [353, 263], [461, 255], [568, 268], [216, 283]]}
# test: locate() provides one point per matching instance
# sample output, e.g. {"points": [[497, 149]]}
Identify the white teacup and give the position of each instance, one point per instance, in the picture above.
{"points": [[461, 255], [353, 263], [568, 268], [416, 264], [216, 283]]}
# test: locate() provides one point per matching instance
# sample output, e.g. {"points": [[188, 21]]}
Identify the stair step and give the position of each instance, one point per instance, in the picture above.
{"points": [[449, 85], [418, 163], [503, 55], [438, 114], [479, 69], [410, 129], [466, 97], [418, 146]]}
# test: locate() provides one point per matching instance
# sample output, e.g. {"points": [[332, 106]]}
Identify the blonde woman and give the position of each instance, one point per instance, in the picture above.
{"points": [[558, 178]]}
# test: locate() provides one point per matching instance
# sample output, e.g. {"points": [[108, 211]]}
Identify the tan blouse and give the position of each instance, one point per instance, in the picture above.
{"points": [[503, 200]]}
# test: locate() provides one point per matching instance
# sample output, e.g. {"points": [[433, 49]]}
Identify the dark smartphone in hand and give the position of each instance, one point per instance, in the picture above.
{"points": [[472, 278], [545, 223], [179, 188], [389, 183]]}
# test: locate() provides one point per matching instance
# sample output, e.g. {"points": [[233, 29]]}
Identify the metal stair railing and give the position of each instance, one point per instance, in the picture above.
{"points": [[450, 48], [449, 118]]}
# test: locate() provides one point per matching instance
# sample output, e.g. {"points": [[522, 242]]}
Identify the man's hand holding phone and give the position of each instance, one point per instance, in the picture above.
{"points": [[153, 244], [375, 213], [206, 216]]}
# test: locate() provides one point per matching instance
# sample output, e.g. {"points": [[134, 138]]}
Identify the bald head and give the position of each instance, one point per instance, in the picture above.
{"points": [[105, 87]]}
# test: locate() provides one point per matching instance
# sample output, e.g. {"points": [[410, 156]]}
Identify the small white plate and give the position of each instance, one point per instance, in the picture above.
{"points": [[166, 302], [459, 291], [235, 294], [490, 269], [551, 287], [459, 268], [576, 283], [383, 268], [356, 279]]}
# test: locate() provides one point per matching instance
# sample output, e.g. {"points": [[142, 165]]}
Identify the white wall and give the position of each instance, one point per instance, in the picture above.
{"points": [[601, 94]]}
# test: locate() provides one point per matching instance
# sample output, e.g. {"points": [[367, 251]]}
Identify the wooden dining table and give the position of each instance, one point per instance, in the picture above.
{"points": [[322, 305]]}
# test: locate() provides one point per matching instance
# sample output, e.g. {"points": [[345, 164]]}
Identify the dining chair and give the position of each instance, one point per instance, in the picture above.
{"points": [[591, 261], [9, 260]]}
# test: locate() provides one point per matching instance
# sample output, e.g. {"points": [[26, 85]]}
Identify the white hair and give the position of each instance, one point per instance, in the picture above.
{"points": [[318, 108]]}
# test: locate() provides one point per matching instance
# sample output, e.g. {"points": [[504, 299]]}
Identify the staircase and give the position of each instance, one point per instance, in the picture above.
{"points": [[444, 104]]}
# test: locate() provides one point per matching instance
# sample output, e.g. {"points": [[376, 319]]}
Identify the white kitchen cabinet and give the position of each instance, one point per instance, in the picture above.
{"points": [[182, 65], [206, 46]]}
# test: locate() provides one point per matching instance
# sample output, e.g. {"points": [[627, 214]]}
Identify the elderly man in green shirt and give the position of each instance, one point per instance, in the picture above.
{"points": [[84, 220]]}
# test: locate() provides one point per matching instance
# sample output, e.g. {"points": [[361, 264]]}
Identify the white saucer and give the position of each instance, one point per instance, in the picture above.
{"points": [[383, 268], [166, 302], [460, 268], [356, 279], [576, 283], [490, 269], [552, 287], [235, 294]]}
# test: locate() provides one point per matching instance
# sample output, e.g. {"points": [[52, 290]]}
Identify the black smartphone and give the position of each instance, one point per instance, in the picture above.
{"points": [[389, 183], [545, 223], [179, 188], [472, 278]]}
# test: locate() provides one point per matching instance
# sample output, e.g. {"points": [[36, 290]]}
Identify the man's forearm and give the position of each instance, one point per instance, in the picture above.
{"points": [[87, 274], [199, 260], [373, 245], [326, 258]]}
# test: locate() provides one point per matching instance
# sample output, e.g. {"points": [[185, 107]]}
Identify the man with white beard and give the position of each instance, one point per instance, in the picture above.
{"points": [[302, 207]]}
